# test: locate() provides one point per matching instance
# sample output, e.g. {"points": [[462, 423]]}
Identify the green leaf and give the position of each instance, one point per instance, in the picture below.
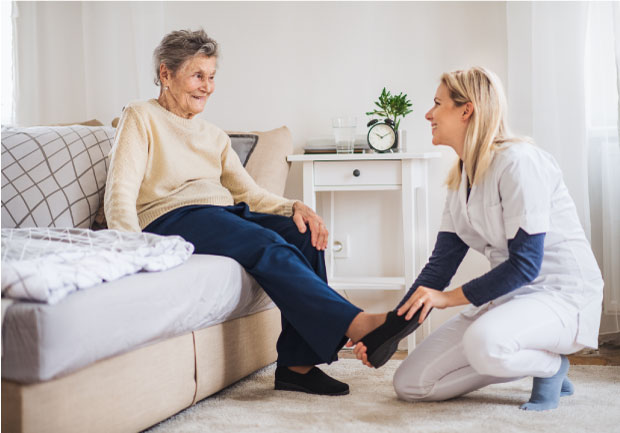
{"points": [[391, 106]]}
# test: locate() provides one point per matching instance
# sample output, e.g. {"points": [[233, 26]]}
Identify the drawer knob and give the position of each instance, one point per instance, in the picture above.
{"points": [[356, 173]]}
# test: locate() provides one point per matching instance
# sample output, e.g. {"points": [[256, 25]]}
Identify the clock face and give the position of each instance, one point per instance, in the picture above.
{"points": [[381, 137]]}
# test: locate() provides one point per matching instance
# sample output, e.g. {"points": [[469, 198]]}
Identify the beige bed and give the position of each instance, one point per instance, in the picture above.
{"points": [[141, 387], [133, 391]]}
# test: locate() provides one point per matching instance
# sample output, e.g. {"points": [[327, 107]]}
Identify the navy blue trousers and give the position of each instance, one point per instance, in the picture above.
{"points": [[285, 264]]}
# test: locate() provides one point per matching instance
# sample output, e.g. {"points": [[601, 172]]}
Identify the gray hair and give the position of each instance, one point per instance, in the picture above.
{"points": [[181, 45]]}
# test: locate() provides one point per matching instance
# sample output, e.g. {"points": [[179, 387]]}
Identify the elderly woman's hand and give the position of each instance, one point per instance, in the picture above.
{"points": [[303, 215]]}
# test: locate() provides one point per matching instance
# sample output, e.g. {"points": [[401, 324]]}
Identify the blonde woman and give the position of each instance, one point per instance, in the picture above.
{"points": [[542, 298]]}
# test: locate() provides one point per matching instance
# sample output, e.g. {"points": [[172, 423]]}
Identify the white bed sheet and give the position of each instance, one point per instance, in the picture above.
{"points": [[41, 342]]}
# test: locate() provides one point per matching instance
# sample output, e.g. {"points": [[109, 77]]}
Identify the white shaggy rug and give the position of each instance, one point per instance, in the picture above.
{"points": [[252, 405]]}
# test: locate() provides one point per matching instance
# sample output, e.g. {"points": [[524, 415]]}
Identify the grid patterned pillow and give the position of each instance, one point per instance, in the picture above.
{"points": [[53, 176]]}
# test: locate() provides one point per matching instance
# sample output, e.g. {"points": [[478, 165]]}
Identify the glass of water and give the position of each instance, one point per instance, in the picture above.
{"points": [[344, 133]]}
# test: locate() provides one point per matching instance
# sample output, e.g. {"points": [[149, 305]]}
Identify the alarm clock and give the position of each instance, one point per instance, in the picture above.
{"points": [[381, 135]]}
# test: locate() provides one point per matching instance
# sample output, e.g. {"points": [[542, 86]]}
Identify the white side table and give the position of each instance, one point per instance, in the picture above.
{"points": [[407, 172]]}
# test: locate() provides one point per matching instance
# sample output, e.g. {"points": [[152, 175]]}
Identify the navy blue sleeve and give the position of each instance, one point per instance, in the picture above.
{"points": [[447, 256], [525, 254]]}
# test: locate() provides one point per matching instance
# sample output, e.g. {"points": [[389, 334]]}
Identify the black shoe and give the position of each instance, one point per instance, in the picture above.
{"points": [[383, 341], [313, 382]]}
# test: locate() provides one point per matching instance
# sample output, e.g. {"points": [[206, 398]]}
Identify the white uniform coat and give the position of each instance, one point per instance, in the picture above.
{"points": [[523, 188]]}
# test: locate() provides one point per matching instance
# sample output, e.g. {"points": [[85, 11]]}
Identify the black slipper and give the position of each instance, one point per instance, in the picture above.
{"points": [[313, 382], [383, 341]]}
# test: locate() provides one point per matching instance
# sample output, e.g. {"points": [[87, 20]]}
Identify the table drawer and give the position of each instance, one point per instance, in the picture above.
{"points": [[357, 173]]}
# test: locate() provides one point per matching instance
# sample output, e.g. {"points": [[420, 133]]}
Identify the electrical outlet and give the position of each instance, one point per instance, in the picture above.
{"points": [[341, 247]]}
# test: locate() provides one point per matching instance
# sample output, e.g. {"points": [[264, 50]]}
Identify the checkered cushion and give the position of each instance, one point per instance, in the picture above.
{"points": [[53, 176]]}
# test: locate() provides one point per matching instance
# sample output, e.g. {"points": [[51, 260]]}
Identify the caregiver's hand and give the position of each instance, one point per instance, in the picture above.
{"points": [[427, 298], [303, 215]]}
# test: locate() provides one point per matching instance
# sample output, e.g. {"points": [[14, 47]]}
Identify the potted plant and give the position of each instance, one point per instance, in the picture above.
{"points": [[393, 107]]}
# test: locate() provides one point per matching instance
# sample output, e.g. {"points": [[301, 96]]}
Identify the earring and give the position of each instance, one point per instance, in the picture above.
{"points": [[165, 87]]}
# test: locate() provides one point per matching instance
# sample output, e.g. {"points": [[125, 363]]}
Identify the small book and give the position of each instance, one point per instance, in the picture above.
{"points": [[328, 145]]}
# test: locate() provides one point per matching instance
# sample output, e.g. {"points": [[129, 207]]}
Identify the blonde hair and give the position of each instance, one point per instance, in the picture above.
{"points": [[487, 131]]}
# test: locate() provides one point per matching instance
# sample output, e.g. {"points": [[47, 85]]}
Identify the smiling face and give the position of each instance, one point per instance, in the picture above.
{"points": [[448, 121], [186, 91]]}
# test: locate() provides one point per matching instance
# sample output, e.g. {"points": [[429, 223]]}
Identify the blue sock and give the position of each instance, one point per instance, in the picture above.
{"points": [[546, 391], [567, 387]]}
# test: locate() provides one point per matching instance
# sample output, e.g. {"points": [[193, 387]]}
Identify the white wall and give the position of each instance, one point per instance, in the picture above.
{"points": [[284, 63]]}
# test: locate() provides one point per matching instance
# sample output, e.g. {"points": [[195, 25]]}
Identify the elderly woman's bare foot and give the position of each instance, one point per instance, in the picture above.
{"points": [[363, 324], [301, 369]]}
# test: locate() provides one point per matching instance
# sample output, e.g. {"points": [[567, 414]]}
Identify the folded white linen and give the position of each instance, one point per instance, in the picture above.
{"points": [[46, 264]]}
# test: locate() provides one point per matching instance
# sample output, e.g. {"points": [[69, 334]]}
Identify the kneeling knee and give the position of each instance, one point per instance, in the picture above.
{"points": [[486, 350], [408, 390]]}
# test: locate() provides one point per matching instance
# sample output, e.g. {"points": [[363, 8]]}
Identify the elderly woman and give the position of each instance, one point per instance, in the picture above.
{"points": [[542, 298], [174, 174]]}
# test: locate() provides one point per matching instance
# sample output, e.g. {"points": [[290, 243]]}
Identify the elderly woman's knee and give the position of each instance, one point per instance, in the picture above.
{"points": [[303, 241], [305, 236]]}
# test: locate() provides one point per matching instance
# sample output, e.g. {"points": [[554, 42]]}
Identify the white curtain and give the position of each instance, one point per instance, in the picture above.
{"points": [[602, 75], [77, 57], [558, 92], [7, 77], [563, 91]]}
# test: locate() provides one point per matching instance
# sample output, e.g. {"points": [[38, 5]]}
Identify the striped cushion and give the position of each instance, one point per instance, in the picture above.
{"points": [[53, 176]]}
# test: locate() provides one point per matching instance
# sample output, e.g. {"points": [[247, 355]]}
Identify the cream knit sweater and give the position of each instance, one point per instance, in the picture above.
{"points": [[160, 162]]}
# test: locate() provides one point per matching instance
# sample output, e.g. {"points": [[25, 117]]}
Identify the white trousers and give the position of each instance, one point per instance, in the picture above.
{"points": [[521, 337]]}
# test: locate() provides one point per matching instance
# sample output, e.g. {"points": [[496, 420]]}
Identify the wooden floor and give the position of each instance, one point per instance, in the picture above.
{"points": [[607, 354]]}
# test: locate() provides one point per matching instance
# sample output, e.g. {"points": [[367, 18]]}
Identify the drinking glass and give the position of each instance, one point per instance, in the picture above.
{"points": [[344, 133]]}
